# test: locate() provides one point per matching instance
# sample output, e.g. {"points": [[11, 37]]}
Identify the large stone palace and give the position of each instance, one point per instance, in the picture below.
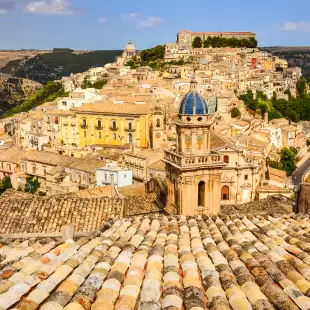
{"points": [[187, 37]]}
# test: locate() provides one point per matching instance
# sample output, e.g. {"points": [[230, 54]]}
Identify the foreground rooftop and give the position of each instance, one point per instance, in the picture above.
{"points": [[160, 262]]}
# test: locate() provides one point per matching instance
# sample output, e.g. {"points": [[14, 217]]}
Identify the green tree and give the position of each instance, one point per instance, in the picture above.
{"points": [[288, 92], [32, 184], [292, 115], [263, 109], [235, 112], [153, 54], [301, 87], [99, 84], [5, 184], [197, 42], [288, 160]]}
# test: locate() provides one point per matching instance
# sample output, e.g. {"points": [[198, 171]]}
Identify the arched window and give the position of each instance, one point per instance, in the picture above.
{"points": [[114, 136], [201, 194], [99, 135], [99, 124], [130, 125], [225, 193], [158, 122], [113, 124], [226, 159], [84, 122], [130, 140]]}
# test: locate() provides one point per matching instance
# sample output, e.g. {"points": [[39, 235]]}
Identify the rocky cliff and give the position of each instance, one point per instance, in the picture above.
{"points": [[14, 90]]}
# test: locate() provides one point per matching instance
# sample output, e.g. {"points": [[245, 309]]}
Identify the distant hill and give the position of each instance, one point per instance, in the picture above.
{"points": [[58, 63], [297, 56]]}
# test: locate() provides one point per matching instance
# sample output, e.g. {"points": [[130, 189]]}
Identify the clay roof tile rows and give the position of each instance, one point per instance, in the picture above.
{"points": [[176, 262], [117, 108]]}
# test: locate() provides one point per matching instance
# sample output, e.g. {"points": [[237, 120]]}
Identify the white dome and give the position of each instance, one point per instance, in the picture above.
{"points": [[130, 46]]}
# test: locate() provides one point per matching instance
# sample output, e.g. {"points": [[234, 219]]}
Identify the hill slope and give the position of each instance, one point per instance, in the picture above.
{"points": [[13, 91], [54, 65], [298, 56]]}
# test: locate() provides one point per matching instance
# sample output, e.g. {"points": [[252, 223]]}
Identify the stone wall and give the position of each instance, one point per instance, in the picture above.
{"points": [[304, 199]]}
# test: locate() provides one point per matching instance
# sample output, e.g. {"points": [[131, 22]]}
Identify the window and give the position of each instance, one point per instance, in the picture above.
{"points": [[105, 176], [64, 103], [84, 122], [56, 120], [44, 171], [158, 122], [114, 125], [84, 133], [130, 125], [226, 159], [130, 140], [99, 135], [225, 193], [246, 177], [33, 169], [99, 124], [114, 136], [201, 194], [23, 167]]}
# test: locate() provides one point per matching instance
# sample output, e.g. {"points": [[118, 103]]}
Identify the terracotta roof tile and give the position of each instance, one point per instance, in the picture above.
{"points": [[46, 158], [158, 165], [160, 262], [118, 108]]}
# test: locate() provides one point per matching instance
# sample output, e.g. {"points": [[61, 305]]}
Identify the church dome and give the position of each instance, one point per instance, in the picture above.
{"points": [[130, 46], [193, 104]]}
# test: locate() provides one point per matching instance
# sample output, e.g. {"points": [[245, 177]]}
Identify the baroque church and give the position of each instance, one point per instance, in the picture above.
{"points": [[204, 171]]}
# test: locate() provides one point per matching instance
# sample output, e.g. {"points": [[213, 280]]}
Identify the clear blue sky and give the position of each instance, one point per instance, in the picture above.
{"points": [[108, 24]]}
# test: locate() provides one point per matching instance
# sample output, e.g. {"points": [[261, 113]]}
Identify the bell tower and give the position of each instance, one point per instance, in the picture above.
{"points": [[193, 172], [158, 133]]}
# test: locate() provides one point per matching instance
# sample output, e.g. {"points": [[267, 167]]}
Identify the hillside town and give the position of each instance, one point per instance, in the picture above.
{"points": [[158, 184], [141, 125]]}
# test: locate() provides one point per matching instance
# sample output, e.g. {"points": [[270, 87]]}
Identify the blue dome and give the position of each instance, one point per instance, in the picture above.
{"points": [[193, 104]]}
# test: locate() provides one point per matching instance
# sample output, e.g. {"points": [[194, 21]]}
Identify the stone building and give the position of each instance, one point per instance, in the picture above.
{"points": [[187, 37], [130, 51], [193, 172]]}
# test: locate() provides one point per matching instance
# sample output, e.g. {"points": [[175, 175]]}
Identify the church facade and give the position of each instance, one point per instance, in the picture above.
{"points": [[193, 172]]}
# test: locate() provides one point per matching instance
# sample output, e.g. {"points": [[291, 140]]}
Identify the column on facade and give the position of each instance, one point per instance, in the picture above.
{"points": [[138, 131], [253, 190], [92, 130], [209, 139], [205, 140], [216, 193], [238, 196], [193, 144], [107, 130], [123, 134]]}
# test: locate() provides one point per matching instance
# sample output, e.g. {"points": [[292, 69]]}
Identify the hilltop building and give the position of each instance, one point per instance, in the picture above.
{"points": [[186, 37], [130, 51]]}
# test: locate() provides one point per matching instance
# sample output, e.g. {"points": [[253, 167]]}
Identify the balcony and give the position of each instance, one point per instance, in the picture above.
{"points": [[65, 124], [98, 127], [114, 128], [130, 129], [190, 161], [83, 126]]}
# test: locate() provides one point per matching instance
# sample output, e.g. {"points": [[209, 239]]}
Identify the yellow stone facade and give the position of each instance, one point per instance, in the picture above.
{"points": [[95, 128], [68, 129]]}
